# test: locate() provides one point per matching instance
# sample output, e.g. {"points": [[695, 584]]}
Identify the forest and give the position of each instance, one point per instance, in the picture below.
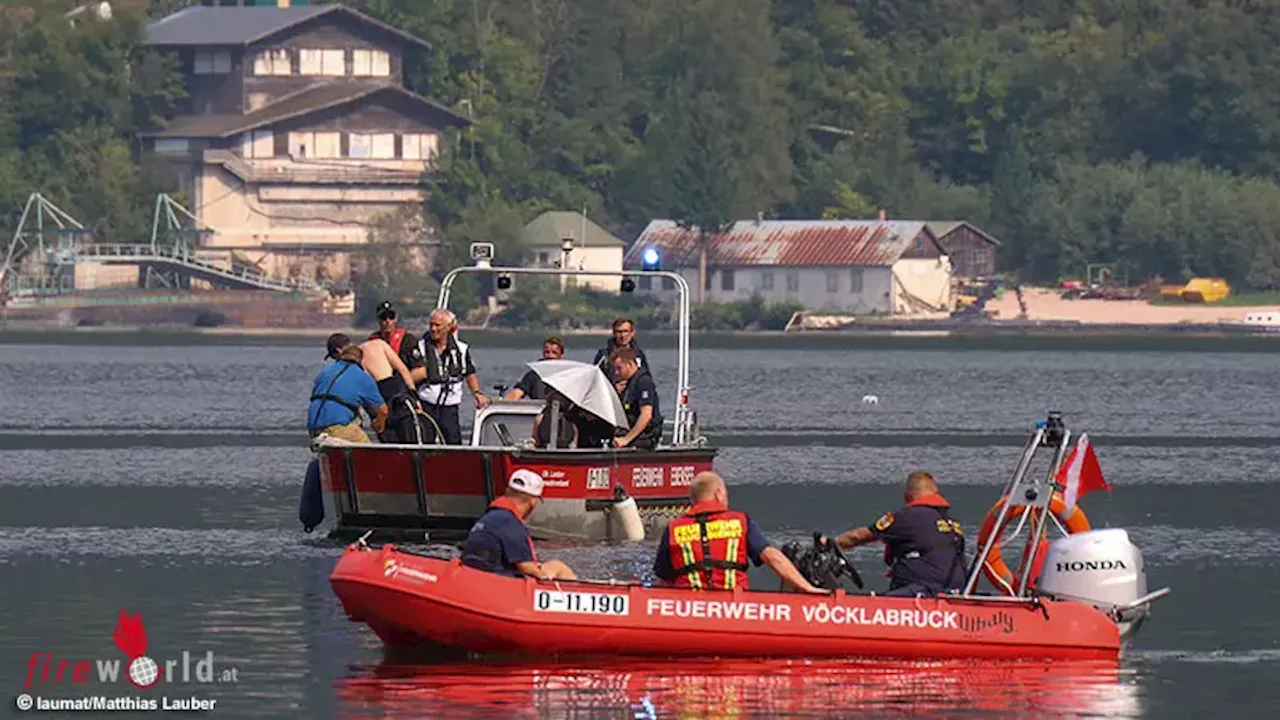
{"points": [[1143, 133]]}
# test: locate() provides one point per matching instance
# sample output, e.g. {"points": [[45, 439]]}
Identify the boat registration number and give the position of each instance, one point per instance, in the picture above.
{"points": [[581, 602]]}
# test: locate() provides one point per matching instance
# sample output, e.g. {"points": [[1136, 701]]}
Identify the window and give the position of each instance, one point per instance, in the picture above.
{"points": [[315, 144], [793, 281], [370, 63], [726, 280], [855, 280], [378, 146], [668, 284], [273, 62], [766, 280], [645, 283], [833, 282], [258, 144], [322, 62], [172, 145], [256, 101], [418, 146], [544, 259], [212, 62]]}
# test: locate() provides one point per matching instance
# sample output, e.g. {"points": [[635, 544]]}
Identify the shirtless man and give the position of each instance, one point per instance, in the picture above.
{"points": [[396, 386]]}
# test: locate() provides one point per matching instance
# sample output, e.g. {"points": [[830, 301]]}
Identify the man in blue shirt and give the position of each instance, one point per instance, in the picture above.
{"points": [[340, 390], [499, 542]]}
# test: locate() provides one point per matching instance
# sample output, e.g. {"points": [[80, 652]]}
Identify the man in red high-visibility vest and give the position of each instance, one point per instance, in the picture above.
{"points": [[708, 547]]}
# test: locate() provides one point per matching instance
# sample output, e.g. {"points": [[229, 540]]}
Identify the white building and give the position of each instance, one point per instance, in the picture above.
{"points": [[590, 247], [862, 267]]}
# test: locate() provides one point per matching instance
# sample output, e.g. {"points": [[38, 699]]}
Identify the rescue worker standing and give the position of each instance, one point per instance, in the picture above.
{"points": [[624, 336], [499, 542], [446, 368], [404, 343], [639, 401], [924, 547], [530, 385], [340, 390], [708, 547]]}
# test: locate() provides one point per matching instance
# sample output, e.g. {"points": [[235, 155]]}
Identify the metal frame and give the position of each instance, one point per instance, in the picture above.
{"points": [[53, 258], [1023, 491], [683, 414]]}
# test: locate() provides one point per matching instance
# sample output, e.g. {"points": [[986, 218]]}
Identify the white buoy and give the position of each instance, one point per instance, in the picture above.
{"points": [[871, 399], [629, 517]]}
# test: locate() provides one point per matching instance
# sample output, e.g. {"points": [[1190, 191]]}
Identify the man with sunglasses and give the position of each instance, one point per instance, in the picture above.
{"points": [[404, 343], [624, 335]]}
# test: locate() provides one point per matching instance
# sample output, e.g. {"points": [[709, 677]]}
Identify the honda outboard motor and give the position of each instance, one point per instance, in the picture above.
{"points": [[1100, 567]]}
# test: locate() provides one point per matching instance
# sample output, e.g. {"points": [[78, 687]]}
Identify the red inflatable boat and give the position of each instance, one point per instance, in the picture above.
{"points": [[408, 599]]}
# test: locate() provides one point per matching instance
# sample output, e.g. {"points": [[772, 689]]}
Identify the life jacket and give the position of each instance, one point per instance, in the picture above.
{"points": [[445, 371], [950, 540], [397, 337], [708, 547]]}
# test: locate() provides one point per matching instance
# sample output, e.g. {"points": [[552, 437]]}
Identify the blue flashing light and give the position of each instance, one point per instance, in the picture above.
{"points": [[650, 258]]}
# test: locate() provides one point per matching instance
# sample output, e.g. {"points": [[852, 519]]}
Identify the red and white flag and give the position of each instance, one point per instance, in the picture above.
{"points": [[1080, 474]]}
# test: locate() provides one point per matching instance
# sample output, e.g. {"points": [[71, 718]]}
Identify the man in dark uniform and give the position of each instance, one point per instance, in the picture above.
{"points": [[531, 386], [639, 401], [924, 547], [403, 342], [624, 336], [499, 542]]}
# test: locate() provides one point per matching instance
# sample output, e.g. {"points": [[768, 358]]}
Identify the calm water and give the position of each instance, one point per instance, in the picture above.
{"points": [[165, 480]]}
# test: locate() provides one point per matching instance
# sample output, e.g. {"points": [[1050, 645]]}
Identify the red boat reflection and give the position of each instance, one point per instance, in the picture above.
{"points": [[736, 689]]}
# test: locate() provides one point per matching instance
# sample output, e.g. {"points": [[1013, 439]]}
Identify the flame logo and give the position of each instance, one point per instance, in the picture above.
{"points": [[130, 636]]}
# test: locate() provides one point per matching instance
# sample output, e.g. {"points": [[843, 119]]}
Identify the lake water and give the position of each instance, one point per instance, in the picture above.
{"points": [[164, 480]]}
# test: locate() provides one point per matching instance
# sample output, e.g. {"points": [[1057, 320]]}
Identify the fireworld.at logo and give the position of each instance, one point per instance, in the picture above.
{"points": [[141, 670]]}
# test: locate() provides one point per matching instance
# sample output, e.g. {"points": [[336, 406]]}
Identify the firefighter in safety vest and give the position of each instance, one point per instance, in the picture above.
{"points": [[924, 547], [708, 547], [446, 369]]}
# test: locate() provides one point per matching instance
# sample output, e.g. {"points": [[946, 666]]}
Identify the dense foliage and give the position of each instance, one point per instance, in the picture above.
{"points": [[1144, 133]]}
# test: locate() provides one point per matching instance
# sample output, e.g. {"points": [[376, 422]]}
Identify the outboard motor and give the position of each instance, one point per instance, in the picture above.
{"points": [[1099, 567]]}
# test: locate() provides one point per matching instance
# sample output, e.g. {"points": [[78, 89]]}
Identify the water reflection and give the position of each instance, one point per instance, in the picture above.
{"points": [[735, 689]]}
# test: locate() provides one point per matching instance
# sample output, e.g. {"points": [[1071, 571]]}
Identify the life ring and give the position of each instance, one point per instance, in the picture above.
{"points": [[994, 567]]}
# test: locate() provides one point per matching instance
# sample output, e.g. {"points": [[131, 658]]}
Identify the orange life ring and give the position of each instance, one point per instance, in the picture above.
{"points": [[994, 567]]}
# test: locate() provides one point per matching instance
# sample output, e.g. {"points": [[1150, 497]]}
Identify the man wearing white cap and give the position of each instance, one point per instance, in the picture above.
{"points": [[499, 542]]}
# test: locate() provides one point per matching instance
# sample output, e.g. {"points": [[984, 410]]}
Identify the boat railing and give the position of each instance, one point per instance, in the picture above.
{"points": [[684, 418], [1024, 490]]}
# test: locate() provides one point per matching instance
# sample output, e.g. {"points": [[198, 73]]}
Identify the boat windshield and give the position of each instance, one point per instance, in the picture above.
{"points": [[505, 429]]}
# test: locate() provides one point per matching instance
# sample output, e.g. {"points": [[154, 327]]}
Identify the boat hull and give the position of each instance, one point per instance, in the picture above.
{"points": [[407, 599], [407, 492]]}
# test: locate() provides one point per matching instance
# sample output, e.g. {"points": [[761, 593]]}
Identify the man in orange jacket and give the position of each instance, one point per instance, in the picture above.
{"points": [[708, 547]]}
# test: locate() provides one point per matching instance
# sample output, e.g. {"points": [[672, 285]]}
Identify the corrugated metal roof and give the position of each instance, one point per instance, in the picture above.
{"points": [[298, 104], [552, 226], [217, 25], [792, 243]]}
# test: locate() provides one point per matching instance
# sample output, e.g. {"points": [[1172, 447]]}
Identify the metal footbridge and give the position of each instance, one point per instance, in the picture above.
{"points": [[42, 254]]}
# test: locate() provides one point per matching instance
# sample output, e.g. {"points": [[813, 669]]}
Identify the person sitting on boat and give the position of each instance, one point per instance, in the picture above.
{"points": [[639, 401], [340, 390], [567, 435], [404, 343], [530, 385], [624, 336], [446, 367], [924, 547], [499, 542], [708, 547]]}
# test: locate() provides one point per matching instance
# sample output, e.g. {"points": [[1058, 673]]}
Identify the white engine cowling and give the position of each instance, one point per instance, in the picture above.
{"points": [[1100, 567]]}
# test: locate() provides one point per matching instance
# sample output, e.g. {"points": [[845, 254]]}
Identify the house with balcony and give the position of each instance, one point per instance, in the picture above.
{"points": [[297, 132], [861, 267]]}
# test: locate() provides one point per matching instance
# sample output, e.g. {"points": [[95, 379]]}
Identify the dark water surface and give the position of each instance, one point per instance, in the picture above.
{"points": [[165, 480]]}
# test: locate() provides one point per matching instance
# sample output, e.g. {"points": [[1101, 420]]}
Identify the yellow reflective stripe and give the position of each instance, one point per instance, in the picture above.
{"points": [[686, 551], [730, 576]]}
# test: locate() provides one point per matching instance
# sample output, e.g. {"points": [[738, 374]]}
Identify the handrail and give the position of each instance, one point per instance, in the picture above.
{"points": [[682, 411], [131, 252]]}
